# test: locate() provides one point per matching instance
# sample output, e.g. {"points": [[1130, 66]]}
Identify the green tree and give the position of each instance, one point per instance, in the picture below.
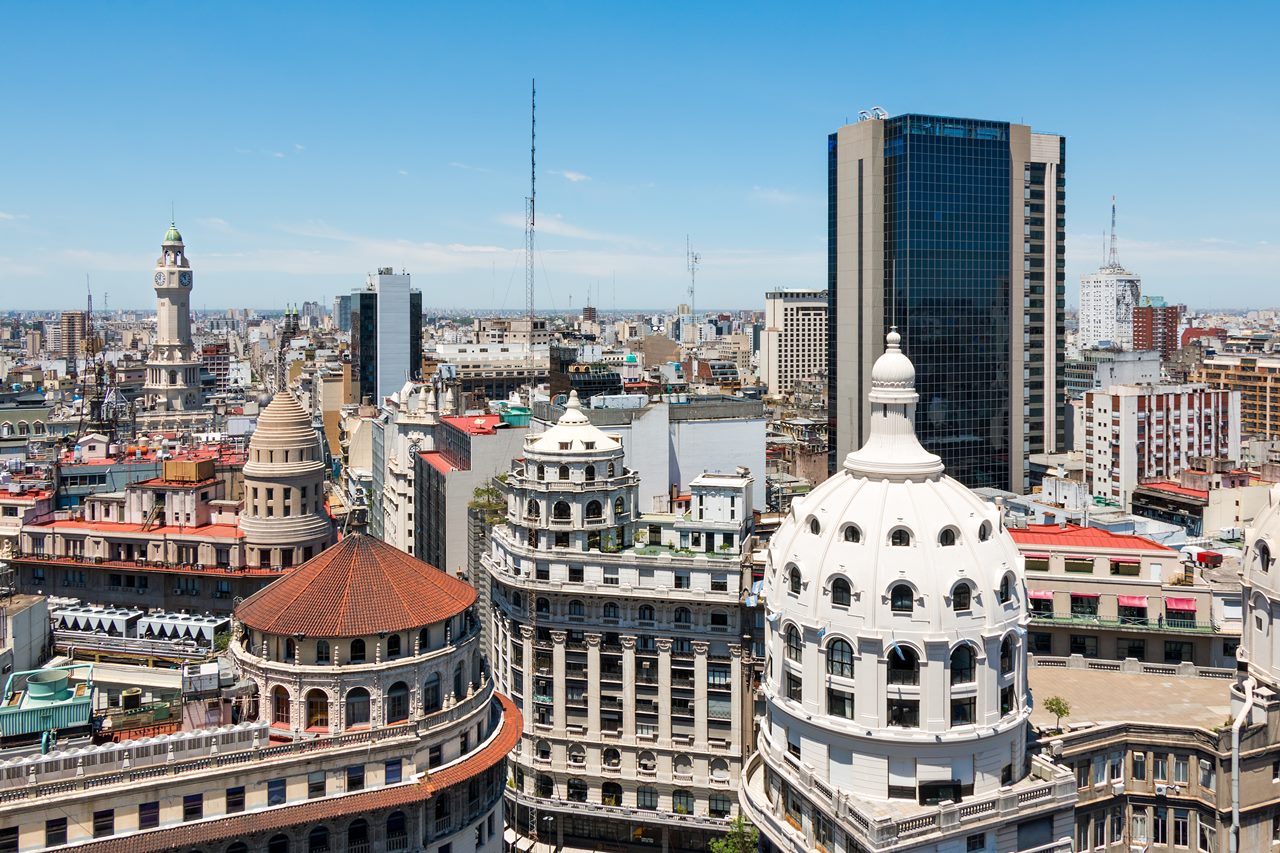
{"points": [[488, 504], [742, 837], [1059, 707]]}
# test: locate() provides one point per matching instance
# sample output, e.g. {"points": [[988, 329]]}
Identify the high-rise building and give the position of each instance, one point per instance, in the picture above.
{"points": [[794, 344], [342, 312], [386, 335], [1257, 379], [1107, 300], [73, 328], [1136, 433], [1155, 325], [896, 693], [954, 230], [173, 370]]}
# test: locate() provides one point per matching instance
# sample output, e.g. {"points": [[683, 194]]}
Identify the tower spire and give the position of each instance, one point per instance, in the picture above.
{"points": [[1113, 261]]}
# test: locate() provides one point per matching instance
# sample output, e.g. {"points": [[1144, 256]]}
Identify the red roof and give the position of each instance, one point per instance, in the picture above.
{"points": [[1174, 488], [1073, 536], [219, 831], [217, 531], [474, 424], [436, 460], [359, 587]]}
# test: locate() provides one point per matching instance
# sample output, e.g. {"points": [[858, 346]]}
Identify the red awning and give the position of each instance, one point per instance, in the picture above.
{"points": [[1036, 556], [1084, 595], [1040, 594], [1129, 560], [1131, 600], [1183, 605]]}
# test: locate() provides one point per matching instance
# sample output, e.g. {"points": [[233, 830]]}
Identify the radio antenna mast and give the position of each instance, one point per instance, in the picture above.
{"points": [[529, 217], [693, 259], [1113, 262]]}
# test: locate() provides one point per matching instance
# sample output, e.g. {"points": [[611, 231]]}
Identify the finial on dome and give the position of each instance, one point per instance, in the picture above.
{"points": [[893, 340], [573, 401]]}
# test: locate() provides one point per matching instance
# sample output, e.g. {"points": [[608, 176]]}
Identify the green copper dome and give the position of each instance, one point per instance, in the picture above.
{"points": [[172, 235]]}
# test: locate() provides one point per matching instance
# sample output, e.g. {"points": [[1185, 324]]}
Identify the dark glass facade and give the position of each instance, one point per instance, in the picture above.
{"points": [[364, 340], [946, 258]]}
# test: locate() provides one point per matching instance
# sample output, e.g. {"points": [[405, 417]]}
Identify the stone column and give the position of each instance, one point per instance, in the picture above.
{"points": [[739, 687], [933, 685], [629, 683], [664, 691], [700, 695], [530, 669], [559, 693], [593, 687]]}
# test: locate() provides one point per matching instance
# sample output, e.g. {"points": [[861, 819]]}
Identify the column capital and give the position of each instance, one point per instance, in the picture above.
{"points": [[735, 650], [664, 645], [558, 637], [594, 639], [700, 648], [526, 632], [628, 643]]}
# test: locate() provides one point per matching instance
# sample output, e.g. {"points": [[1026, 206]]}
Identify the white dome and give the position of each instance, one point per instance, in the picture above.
{"points": [[896, 616], [1262, 590], [573, 433]]}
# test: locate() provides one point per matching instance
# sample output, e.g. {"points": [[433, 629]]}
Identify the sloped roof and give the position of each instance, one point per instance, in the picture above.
{"points": [[1073, 536], [359, 587]]}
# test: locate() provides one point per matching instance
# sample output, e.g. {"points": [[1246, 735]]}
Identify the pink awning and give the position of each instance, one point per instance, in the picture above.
{"points": [[1084, 595], [1128, 560], [1131, 600], [1036, 556], [1040, 594], [1183, 605]]}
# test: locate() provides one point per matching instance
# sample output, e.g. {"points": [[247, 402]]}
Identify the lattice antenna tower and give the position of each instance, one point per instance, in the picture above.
{"points": [[1113, 261], [693, 259], [530, 218]]}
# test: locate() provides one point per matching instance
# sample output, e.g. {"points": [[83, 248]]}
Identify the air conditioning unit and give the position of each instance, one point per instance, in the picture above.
{"points": [[1162, 790], [1117, 788]]}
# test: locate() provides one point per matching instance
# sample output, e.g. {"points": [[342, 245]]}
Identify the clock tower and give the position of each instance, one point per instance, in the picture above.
{"points": [[173, 371]]}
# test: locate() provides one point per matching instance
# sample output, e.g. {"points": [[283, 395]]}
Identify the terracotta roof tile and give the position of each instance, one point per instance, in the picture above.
{"points": [[317, 811], [1080, 537], [359, 587]]}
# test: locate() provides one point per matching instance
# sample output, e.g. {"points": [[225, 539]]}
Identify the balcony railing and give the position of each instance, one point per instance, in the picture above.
{"points": [[1128, 623]]}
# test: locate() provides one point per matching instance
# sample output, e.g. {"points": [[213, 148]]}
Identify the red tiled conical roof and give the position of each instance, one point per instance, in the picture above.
{"points": [[359, 587]]}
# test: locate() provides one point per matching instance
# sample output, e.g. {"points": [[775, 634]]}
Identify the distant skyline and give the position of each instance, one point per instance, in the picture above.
{"points": [[302, 147]]}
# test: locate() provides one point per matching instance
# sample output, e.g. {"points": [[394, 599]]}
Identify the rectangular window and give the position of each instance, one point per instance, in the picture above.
{"points": [[1136, 649], [391, 772], [1177, 651], [1180, 770], [148, 815], [1082, 775], [193, 807], [1139, 826], [1181, 821], [1139, 766], [964, 711], [235, 799], [1207, 835], [104, 823], [1160, 826], [1208, 778], [1041, 642], [315, 784], [355, 777], [55, 831], [840, 703], [434, 756], [275, 792], [1161, 768], [1084, 645], [795, 688], [9, 839]]}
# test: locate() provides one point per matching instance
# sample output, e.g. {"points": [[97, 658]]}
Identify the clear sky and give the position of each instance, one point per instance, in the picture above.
{"points": [[303, 145]]}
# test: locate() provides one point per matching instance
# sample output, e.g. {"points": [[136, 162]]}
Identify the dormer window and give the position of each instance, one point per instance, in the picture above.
{"points": [[900, 538], [566, 445]]}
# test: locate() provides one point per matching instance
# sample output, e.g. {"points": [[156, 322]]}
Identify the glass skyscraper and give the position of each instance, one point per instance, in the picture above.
{"points": [[954, 231]]}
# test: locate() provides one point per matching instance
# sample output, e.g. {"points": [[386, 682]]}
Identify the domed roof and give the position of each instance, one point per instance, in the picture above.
{"points": [[283, 424], [572, 433], [172, 235], [359, 587]]}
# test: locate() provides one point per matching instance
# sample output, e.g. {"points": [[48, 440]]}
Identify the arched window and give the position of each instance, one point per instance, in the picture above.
{"points": [[322, 651], [290, 649], [560, 510], [546, 786], [963, 665], [533, 510], [543, 606], [280, 705], [458, 691], [1005, 592], [397, 831], [564, 472], [431, 693], [1262, 555], [589, 473], [904, 665], [6, 429], [317, 709], [647, 798], [793, 580], [947, 537], [577, 608], [238, 847], [358, 834], [278, 844], [840, 658], [318, 840], [619, 508], [357, 650], [645, 613], [393, 646], [610, 610], [962, 597], [795, 645], [611, 794], [594, 510], [901, 599], [577, 790], [682, 616], [396, 703], [1006, 656], [852, 533], [424, 636], [682, 765], [38, 428], [984, 531], [577, 755], [814, 527], [611, 469], [542, 750], [612, 758], [900, 537], [841, 593], [357, 707], [542, 472]]}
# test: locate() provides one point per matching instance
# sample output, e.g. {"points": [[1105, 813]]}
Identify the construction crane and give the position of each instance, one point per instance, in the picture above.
{"points": [[529, 213]]}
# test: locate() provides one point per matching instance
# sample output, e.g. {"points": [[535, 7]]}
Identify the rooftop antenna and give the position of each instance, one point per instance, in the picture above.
{"points": [[693, 259], [1113, 262], [529, 218]]}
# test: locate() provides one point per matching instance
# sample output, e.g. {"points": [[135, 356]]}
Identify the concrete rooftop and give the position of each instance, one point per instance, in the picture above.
{"points": [[1104, 697]]}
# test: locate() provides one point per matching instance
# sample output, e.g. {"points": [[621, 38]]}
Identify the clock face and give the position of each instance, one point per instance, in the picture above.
{"points": [[159, 278], [184, 279]]}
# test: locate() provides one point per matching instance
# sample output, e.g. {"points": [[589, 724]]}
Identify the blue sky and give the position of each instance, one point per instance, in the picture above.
{"points": [[304, 145]]}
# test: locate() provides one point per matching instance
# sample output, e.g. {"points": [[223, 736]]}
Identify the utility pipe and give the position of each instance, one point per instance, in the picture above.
{"points": [[1247, 687]]}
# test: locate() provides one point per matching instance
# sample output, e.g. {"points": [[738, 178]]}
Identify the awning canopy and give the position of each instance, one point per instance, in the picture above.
{"points": [[1131, 600], [1040, 594], [1036, 556], [1077, 558], [1129, 560], [1084, 595], [1182, 605]]}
